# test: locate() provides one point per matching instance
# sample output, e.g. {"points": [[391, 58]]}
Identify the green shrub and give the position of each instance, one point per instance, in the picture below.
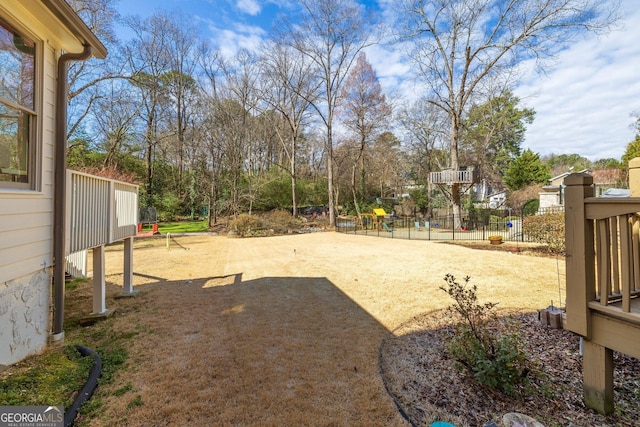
{"points": [[531, 207], [491, 349], [246, 224], [547, 228], [169, 207]]}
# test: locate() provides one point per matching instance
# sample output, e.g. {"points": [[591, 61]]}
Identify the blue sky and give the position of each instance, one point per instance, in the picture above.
{"points": [[583, 104]]}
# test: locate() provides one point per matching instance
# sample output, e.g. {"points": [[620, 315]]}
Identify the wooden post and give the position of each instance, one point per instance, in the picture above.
{"points": [[580, 262], [597, 373], [634, 176], [99, 288]]}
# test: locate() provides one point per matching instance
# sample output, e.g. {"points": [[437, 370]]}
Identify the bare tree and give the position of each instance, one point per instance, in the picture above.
{"points": [[289, 88], [148, 61], [85, 77], [236, 110], [424, 124], [330, 33], [426, 142], [180, 81], [210, 60], [365, 113], [459, 45], [115, 117], [388, 171]]}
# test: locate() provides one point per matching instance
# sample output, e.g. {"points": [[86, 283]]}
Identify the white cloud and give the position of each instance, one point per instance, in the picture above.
{"points": [[583, 104], [251, 7], [231, 40]]}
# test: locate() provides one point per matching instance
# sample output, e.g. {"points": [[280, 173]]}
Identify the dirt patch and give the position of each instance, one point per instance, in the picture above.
{"points": [[286, 330]]}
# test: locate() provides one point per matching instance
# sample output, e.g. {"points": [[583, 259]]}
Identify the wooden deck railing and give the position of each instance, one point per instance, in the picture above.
{"points": [[454, 176], [99, 211], [603, 282], [617, 231], [603, 254]]}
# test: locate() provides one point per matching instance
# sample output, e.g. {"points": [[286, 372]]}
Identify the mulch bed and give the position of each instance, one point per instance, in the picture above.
{"points": [[532, 249], [428, 385]]}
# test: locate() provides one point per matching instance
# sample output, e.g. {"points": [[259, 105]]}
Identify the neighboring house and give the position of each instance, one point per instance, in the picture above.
{"points": [[553, 193], [603, 179], [37, 40], [558, 180], [497, 200]]}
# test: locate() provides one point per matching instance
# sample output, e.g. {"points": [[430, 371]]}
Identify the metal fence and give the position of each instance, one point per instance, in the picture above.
{"points": [[510, 228]]}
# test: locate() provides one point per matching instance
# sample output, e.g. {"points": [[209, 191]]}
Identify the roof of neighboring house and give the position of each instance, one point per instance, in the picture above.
{"points": [[557, 180], [606, 176]]}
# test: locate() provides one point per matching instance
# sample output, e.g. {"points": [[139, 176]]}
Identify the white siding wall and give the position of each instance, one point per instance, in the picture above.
{"points": [[26, 220]]}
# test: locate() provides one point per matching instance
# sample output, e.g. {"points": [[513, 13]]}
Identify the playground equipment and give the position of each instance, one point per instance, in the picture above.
{"points": [[373, 221], [148, 216], [144, 233], [367, 221]]}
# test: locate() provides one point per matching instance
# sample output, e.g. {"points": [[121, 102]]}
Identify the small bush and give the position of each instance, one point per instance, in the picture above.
{"points": [[246, 224], [492, 350], [280, 221], [547, 228]]}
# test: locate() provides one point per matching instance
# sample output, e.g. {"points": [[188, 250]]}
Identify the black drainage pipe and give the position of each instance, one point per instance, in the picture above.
{"points": [[386, 386], [89, 387]]}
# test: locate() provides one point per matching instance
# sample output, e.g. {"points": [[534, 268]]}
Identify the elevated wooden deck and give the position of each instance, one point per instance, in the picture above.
{"points": [[100, 211], [603, 282]]}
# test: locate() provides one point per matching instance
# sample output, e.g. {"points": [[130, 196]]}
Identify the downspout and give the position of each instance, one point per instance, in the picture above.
{"points": [[60, 184]]}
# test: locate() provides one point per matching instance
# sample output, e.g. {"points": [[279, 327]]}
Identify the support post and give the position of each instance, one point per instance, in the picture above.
{"points": [[597, 362], [597, 374], [99, 287], [580, 253], [127, 285], [634, 176]]}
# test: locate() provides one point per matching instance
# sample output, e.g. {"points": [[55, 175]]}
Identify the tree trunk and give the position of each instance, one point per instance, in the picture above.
{"points": [[294, 199], [354, 190], [332, 216], [150, 160], [455, 188]]}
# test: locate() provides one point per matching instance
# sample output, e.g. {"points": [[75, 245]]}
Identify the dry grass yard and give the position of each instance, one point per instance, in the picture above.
{"points": [[285, 330]]}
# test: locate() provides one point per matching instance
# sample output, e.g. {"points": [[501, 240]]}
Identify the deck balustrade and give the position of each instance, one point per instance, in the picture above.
{"points": [[100, 211], [451, 176]]}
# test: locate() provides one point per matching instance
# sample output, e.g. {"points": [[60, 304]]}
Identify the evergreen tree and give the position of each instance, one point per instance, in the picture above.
{"points": [[526, 169]]}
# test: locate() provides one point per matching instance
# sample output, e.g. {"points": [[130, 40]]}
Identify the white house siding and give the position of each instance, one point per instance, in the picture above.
{"points": [[26, 217]]}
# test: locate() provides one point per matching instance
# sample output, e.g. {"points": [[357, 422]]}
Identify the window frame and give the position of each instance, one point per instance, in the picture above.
{"points": [[34, 162]]}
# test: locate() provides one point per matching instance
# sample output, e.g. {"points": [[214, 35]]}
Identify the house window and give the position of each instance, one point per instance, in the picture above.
{"points": [[17, 109]]}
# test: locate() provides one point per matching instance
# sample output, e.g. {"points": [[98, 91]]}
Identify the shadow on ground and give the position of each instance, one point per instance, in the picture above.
{"points": [[271, 351]]}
